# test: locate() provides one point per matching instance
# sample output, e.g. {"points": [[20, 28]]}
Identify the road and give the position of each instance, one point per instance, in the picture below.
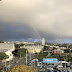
{"points": [[22, 61]]}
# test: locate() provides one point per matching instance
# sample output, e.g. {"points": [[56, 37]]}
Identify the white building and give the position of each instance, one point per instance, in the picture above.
{"points": [[43, 41], [34, 49], [7, 48], [19, 42]]}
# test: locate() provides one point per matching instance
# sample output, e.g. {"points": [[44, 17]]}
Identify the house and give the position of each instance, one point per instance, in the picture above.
{"points": [[58, 51], [50, 49], [7, 48]]}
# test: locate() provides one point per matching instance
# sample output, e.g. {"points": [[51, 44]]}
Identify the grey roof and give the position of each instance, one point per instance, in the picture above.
{"points": [[6, 46]]}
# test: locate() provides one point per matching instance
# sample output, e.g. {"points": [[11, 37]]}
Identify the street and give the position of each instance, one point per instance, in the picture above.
{"points": [[22, 61]]}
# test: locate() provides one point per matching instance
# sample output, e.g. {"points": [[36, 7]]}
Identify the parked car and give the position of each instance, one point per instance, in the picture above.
{"points": [[54, 67], [59, 67], [17, 61]]}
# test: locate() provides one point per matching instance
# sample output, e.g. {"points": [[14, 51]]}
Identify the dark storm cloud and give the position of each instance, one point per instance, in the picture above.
{"points": [[34, 19], [11, 32]]}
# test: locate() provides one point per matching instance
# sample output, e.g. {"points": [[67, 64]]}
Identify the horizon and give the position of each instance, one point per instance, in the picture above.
{"points": [[40, 41]]}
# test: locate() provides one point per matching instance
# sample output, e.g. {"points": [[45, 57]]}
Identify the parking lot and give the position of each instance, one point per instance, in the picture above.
{"points": [[42, 67]]}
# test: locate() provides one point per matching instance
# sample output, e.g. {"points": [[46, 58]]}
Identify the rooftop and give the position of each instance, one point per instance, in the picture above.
{"points": [[5, 46], [3, 50]]}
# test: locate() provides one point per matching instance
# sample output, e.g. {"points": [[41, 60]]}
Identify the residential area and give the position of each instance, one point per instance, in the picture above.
{"points": [[41, 56]]}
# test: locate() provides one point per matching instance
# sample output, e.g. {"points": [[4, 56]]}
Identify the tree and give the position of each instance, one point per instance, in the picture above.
{"points": [[0, 67], [17, 46], [42, 55], [69, 58], [23, 68], [1, 41], [21, 44], [67, 50], [58, 56], [46, 48], [3, 56], [21, 52], [70, 46]]}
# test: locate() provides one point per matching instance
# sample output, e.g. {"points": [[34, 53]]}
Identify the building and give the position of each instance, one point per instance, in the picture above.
{"points": [[43, 41], [50, 48], [33, 48], [7, 48], [58, 51], [19, 42]]}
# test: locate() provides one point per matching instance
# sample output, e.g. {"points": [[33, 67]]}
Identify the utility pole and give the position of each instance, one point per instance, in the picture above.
{"points": [[34, 64], [5, 63], [30, 56], [26, 57], [5, 66], [38, 66]]}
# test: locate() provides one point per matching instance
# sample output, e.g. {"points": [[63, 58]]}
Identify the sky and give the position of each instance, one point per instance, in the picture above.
{"points": [[31, 20]]}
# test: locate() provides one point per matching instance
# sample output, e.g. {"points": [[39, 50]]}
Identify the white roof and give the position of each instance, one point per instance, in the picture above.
{"points": [[64, 62], [59, 66], [6, 46]]}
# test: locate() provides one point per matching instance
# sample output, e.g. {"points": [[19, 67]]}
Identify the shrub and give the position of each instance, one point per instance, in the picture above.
{"points": [[23, 68]]}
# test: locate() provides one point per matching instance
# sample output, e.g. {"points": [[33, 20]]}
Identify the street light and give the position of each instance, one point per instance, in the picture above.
{"points": [[38, 65], [4, 67], [26, 56], [30, 56], [4, 60]]}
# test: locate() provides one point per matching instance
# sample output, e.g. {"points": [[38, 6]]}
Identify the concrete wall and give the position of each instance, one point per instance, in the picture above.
{"points": [[9, 53]]}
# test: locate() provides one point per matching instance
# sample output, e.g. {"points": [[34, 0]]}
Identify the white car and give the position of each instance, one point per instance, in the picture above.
{"points": [[17, 61], [59, 67], [51, 69]]}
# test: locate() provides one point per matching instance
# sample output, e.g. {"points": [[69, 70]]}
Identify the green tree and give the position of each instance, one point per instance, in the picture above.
{"points": [[58, 56], [45, 48], [70, 46], [3, 56], [21, 44], [0, 68], [17, 46], [67, 50], [69, 58], [21, 52], [1, 41], [42, 55]]}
